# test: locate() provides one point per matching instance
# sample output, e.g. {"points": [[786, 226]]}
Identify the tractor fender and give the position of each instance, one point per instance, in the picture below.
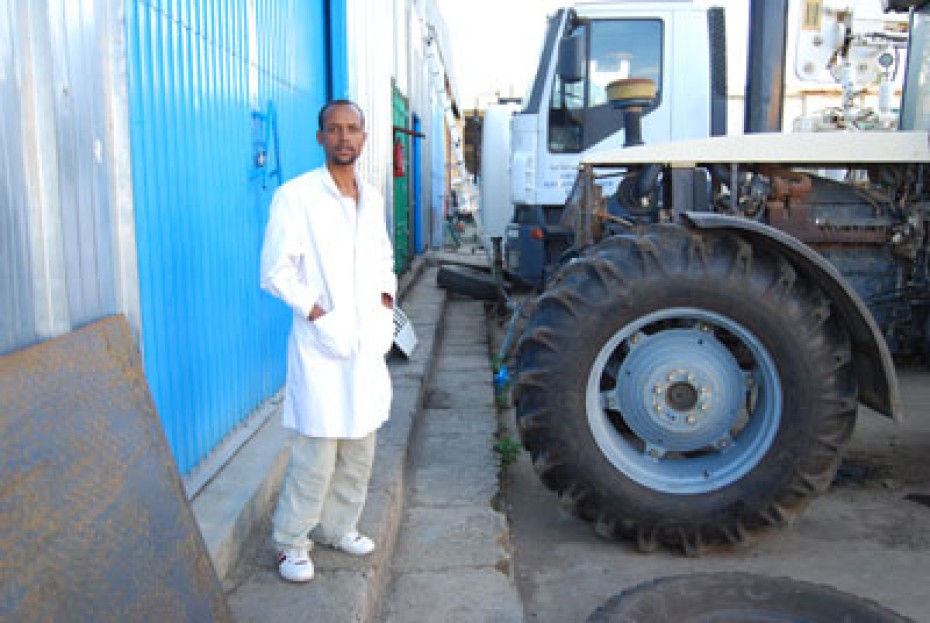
{"points": [[875, 372]]}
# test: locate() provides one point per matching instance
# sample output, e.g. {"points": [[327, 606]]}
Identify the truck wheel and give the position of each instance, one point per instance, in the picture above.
{"points": [[738, 597], [683, 389]]}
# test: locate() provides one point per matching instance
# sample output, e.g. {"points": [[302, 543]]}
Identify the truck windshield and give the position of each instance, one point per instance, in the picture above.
{"points": [[579, 114]]}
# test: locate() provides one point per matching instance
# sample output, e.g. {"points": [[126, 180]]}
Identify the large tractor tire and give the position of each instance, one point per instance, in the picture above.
{"points": [[681, 389]]}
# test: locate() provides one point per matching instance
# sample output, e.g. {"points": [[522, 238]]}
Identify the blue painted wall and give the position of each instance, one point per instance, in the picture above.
{"points": [[201, 115], [438, 176], [418, 217]]}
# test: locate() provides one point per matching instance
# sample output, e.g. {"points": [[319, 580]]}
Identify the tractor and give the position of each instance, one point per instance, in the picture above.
{"points": [[691, 369]]}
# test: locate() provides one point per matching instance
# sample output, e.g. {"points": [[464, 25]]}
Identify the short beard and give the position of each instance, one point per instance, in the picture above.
{"points": [[344, 161]]}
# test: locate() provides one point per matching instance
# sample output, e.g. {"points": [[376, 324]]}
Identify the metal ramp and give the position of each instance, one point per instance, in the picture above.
{"points": [[94, 523]]}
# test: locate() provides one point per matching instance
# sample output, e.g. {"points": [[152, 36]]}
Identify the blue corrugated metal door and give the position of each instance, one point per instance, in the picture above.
{"points": [[418, 237], [223, 99], [438, 177]]}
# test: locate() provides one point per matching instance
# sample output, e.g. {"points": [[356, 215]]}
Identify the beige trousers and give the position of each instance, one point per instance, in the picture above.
{"points": [[324, 490]]}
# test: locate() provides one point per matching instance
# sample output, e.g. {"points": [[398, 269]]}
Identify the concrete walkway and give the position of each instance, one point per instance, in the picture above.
{"points": [[452, 561], [233, 510]]}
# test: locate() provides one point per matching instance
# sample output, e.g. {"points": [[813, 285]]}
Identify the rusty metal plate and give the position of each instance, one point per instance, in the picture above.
{"points": [[94, 523]]}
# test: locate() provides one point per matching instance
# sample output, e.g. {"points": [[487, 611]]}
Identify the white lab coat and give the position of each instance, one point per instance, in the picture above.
{"points": [[320, 249]]}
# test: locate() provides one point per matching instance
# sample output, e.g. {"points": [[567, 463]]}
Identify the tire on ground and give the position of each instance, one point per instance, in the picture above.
{"points": [[694, 306], [738, 597], [468, 281]]}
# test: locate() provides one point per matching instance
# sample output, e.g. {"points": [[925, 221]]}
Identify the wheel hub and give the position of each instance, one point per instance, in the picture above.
{"points": [[680, 390], [682, 396]]}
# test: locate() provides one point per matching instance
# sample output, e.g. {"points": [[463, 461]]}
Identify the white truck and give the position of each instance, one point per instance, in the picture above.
{"points": [[528, 168]]}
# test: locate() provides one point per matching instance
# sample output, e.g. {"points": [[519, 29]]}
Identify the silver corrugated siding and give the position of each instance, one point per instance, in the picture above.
{"points": [[60, 227]]}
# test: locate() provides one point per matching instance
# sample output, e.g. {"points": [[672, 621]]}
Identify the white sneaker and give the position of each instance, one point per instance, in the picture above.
{"points": [[355, 544], [295, 565]]}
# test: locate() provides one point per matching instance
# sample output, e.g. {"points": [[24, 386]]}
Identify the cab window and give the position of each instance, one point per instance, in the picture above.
{"points": [[579, 114]]}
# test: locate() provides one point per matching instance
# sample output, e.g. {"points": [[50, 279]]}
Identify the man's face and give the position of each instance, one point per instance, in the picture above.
{"points": [[342, 136]]}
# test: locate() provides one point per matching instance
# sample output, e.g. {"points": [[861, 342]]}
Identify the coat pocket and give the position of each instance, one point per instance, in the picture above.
{"points": [[335, 335], [381, 330]]}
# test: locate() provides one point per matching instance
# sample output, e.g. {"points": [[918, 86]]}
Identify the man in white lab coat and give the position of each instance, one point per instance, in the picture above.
{"points": [[327, 255]]}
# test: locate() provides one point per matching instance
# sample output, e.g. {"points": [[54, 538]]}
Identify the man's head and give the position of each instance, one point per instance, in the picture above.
{"points": [[342, 132]]}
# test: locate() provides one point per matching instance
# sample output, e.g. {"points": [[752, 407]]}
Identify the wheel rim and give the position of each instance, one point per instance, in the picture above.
{"points": [[684, 400]]}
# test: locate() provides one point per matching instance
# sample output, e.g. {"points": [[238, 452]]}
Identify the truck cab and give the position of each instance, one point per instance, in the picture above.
{"points": [[676, 43]]}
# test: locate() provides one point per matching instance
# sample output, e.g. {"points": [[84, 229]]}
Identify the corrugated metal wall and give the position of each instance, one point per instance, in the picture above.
{"points": [[213, 84], [416, 158], [420, 85], [437, 173], [66, 240], [370, 66], [128, 143], [428, 93], [376, 55]]}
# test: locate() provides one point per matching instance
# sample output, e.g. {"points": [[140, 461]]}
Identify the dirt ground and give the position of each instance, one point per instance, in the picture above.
{"points": [[869, 535]]}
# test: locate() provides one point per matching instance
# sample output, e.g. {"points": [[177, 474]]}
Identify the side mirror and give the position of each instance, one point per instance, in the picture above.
{"points": [[572, 61]]}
